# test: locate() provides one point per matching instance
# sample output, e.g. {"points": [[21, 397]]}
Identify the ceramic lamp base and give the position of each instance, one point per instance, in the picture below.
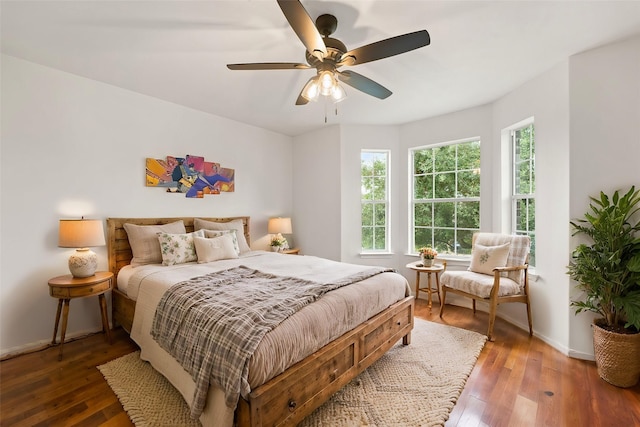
{"points": [[83, 263]]}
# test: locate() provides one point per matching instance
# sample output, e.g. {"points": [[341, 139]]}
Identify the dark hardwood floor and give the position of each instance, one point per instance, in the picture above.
{"points": [[518, 381]]}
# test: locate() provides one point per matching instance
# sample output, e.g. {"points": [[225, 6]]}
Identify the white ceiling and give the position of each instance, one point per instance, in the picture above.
{"points": [[178, 50]]}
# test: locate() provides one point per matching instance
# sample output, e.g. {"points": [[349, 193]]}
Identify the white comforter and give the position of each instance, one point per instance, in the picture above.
{"points": [[303, 333]]}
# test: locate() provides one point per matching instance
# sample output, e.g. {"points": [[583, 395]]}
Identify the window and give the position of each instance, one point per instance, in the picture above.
{"points": [[523, 188], [446, 196], [374, 190]]}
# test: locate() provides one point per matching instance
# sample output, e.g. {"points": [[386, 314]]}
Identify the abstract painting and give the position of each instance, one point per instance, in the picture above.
{"points": [[191, 175]]}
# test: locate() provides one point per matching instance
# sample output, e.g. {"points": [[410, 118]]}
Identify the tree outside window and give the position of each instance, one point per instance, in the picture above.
{"points": [[524, 185], [374, 190], [446, 196]]}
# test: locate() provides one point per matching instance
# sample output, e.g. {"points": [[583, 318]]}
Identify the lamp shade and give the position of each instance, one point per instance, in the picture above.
{"points": [[80, 233], [279, 225]]}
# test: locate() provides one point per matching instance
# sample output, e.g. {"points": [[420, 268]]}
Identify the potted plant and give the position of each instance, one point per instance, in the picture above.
{"points": [[427, 255], [608, 274], [278, 243]]}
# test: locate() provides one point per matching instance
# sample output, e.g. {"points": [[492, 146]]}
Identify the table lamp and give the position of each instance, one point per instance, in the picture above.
{"points": [[81, 234], [280, 226]]}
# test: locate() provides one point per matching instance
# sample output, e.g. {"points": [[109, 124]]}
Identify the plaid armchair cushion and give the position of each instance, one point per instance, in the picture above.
{"points": [[518, 251]]}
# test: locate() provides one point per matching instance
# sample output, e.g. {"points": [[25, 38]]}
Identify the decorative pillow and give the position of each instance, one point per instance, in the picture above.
{"points": [[485, 258], [234, 237], [144, 243], [236, 224], [214, 249], [178, 248]]}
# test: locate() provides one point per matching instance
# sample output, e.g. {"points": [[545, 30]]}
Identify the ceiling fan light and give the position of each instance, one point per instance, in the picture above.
{"points": [[338, 94], [327, 83], [311, 90]]}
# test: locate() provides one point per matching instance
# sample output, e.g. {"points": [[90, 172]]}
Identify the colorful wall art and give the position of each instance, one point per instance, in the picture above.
{"points": [[191, 175]]}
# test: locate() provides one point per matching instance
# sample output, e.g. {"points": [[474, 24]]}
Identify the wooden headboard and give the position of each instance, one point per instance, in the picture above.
{"points": [[118, 247]]}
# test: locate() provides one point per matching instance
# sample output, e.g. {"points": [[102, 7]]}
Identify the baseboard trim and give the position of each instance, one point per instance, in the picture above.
{"points": [[43, 345], [581, 355]]}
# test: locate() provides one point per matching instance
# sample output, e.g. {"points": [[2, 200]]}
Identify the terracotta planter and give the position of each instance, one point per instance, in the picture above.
{"points": [[617, 356]]}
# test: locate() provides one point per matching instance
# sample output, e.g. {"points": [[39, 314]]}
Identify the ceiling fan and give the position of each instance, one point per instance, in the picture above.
{"points": [[327, 54]]}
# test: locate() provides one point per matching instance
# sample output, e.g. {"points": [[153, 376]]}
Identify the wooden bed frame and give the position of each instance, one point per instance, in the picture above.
{"points": [[120, 255], [289, 397]]}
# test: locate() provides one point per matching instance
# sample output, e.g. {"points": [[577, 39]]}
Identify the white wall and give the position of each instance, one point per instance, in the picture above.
{"points": [[316, 193], [546, 98], [605, 140], [353, 140], [73, 146]]}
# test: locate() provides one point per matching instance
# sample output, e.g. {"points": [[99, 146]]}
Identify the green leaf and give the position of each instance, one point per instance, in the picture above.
{"points": [[634, 264], [608, 269], [632, 309]]}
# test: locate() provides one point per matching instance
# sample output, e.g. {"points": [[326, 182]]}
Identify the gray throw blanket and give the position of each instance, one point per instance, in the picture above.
{"points": [[212, 324]]}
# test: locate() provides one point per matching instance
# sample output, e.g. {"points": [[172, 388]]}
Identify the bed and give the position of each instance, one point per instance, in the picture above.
{"points": [[299, 385]]}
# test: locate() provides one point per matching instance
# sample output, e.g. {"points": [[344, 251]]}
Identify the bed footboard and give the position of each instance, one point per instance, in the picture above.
{"points": [[288, 398]]}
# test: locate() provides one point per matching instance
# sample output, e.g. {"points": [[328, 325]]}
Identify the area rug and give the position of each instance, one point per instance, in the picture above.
{"points": [[415, 385]]}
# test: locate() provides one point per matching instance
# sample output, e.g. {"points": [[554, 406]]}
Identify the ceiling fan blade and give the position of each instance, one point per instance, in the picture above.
{"points": [[364, 84], [304, 27], [386, 48], [268, 66]]}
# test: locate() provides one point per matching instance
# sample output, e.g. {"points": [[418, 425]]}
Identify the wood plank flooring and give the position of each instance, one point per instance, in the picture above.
{"points": [[518, 381]]}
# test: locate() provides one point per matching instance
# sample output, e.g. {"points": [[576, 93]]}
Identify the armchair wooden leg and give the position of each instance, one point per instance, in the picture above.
{"points": [[444, 295], [529, 317], [493, 307]]}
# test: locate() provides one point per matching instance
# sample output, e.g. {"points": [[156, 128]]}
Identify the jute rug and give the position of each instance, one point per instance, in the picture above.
{"points": [[415, 385]]}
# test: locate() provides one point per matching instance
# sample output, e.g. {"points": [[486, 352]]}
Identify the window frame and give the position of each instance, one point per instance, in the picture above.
{"points": [[515, 196], [413, 201], [375, 202]]}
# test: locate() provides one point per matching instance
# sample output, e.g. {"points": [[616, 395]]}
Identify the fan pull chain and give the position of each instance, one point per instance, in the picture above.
{"points": [[325, 110]]}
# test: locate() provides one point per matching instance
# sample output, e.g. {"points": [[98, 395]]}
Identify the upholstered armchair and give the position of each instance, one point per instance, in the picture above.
{"points": [[497, 274]]}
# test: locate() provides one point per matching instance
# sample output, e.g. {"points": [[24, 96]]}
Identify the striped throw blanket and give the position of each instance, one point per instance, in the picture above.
{"points": [[212, 324]]}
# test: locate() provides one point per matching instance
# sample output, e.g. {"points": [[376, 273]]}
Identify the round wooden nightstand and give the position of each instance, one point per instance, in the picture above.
{"points": [[294, 251], [435, 269], [68, 287]]}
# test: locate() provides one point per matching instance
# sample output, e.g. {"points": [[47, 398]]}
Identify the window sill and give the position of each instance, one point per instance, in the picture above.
{"points": [[451, 260], [376, 254]]}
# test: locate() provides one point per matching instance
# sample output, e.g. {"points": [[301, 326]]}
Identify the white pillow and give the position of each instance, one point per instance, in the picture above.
{"points": [[178, 248], [215, 248], [144, 243], [485, 258], [234, 237], [235, 224]]}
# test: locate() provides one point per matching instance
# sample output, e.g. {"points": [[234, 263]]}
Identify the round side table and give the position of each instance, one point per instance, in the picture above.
{"points": [[435, 269], [68, 287], [293, 251]]}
